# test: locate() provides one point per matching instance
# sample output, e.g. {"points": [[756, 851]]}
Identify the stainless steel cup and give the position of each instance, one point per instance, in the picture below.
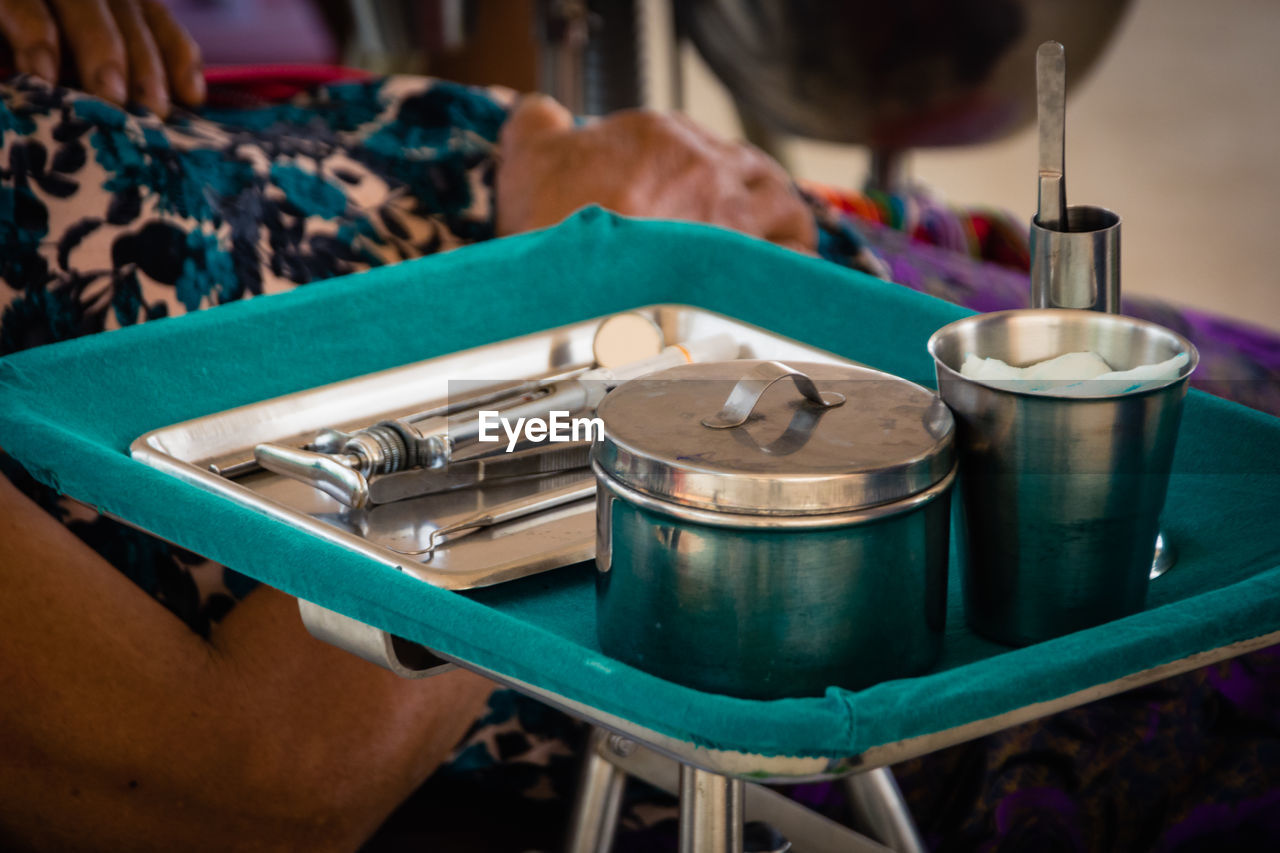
{"points": [[1078, 267], [1060, 496]]}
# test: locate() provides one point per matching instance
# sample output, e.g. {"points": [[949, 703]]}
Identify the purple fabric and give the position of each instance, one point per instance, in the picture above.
{"points": [[249, 32], [1237, 361]]}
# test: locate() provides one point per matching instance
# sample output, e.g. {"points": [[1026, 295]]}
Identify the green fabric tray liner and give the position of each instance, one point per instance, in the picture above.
{"points": [[69, 412]]}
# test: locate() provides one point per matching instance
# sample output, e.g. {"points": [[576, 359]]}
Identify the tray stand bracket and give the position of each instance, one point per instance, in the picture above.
{"points": [[405, 658]]}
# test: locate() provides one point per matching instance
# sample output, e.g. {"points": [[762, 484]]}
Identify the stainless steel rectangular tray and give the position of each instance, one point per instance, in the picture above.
{"points": [[195, 449]]}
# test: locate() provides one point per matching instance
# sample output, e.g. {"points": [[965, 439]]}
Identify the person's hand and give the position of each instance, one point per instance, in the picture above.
{"points": [[641, 163], [124, 50]]}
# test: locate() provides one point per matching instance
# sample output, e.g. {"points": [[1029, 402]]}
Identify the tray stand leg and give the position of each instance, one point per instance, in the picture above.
{"points": [[710, 812], [881, 811], [595, 810]]}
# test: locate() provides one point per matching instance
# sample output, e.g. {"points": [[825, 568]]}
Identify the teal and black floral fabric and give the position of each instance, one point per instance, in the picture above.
{"points": [[109, 218]]}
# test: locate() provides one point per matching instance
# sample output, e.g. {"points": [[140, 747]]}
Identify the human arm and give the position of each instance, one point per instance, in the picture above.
{"points": [[641, 163], [122, 729]]}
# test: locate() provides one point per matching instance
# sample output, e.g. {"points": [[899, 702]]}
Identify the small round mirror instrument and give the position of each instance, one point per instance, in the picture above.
{"points": [[626, 338]]}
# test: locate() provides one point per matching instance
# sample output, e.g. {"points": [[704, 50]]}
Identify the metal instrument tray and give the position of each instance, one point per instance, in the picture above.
{"points": [[195, 449]]}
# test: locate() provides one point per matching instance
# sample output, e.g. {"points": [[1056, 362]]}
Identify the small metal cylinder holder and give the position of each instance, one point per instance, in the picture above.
{"points": [[1078, 267]]}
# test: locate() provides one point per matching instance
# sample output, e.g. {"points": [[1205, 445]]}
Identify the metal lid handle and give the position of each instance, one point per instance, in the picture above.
{"points": [[750, 388]]}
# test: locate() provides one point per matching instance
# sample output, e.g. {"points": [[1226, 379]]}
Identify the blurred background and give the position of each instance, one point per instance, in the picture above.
{"points": [[1172, 116]]}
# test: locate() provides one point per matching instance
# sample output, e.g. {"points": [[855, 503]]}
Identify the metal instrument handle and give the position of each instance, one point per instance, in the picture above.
{"points": [[750, 388], [323, 471], [1051, 104]]}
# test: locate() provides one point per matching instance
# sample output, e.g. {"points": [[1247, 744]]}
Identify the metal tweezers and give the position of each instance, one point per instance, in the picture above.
{"points": [[504, 512]]}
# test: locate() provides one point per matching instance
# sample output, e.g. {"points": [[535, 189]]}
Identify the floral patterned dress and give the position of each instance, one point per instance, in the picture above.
{"points": [[109, 219]]}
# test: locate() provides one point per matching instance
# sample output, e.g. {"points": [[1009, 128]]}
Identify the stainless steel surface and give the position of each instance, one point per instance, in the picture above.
{"points": [[879, 808], [1060, 495], [337, 478], [1051, 112], [1078, 267], [1165, 556], [888, 171], [405, 659], [775, 595], [769, 611], [231, 470], [391, 446], [746, 395], [594, 822], [589, 54], [501, 514], [1075, 256], [332, 441], [891, 440], [710, 812], [743, 521], [892, 76], [553, 539], [808, 831], [434, 438], [565, 30], [328, 441], [471, 472]]}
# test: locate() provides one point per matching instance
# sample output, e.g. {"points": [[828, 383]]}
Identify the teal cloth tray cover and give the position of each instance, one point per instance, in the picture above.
{"points": [[69, 412]]}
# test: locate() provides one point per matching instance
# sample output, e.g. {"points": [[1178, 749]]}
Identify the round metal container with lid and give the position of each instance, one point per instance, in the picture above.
{"points": [[770, 529]]}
